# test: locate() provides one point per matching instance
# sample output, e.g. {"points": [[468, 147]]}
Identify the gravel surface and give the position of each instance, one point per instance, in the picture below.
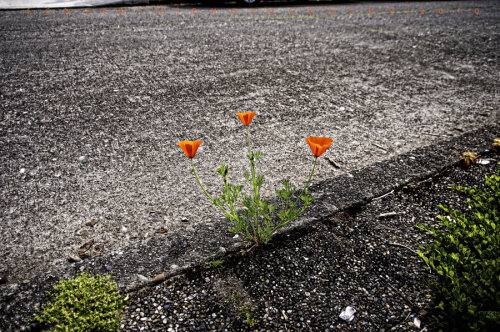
{"points": [[169, 254], [92, 106], [361, 258]]}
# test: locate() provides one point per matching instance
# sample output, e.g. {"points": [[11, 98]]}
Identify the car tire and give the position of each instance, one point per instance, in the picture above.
{"points": [[248, 2]]}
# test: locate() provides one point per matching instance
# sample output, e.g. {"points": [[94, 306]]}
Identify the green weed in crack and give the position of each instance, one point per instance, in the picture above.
{"points": [[465, 257], [243, 309], [217, 264], [83, 303], [231, 294]]}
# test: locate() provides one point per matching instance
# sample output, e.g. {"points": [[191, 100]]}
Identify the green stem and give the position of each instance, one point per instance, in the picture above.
{"points": [[255, 225], [252, 164], [202, 188], [248, 140], [229, 202], [308, 180]]}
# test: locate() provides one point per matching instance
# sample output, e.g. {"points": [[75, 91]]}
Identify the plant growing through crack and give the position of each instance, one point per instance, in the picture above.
{"points": [[244, 309], [83, 303], [217, 264], [464, 254], [250, 215], [231, 293]]}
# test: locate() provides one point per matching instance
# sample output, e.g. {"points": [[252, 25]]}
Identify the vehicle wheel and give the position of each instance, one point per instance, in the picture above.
{"points": [[248, 2]]}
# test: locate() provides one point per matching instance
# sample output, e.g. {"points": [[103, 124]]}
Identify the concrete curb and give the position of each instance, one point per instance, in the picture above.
{"points": [[175, 252]]}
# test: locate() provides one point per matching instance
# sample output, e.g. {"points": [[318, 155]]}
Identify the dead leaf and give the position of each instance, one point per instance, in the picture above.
{"points": [[91, 223], [82, 232], [99, 249], [74, 259], [83, 254], [86, 246], [333, 162]]}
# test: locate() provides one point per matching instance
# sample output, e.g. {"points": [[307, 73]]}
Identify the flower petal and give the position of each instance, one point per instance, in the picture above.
{"points": [[246, 117], [319, 145], [190, 147]]}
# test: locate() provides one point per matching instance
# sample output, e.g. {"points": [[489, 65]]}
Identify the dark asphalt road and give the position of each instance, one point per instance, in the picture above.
{"points": [[122, 88]]}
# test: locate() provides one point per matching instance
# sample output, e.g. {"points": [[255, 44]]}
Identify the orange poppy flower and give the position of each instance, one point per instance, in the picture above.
{"points": [[190, 147], [319, 145], [246, 117]]}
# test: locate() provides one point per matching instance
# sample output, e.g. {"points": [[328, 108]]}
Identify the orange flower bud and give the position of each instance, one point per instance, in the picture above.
{"points": [[246, 117], [319, 145], [190, 147]]}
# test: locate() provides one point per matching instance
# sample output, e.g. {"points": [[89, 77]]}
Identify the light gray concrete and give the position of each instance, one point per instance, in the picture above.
{"points": [[121, 89], [24, 4]]}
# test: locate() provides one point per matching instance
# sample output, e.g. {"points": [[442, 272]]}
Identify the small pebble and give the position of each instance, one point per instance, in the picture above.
{"points": [[142, 278]]}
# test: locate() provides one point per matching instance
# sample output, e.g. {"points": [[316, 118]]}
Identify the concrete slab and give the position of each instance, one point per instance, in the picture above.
{"points": [[92, 105], [33, 4], [184, 249]]}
